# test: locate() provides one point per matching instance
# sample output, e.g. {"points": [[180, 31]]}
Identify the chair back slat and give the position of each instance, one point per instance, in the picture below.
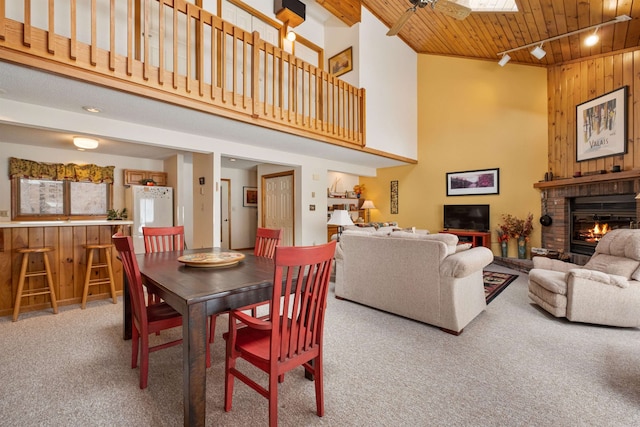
{"points": [[304, 274], [267, 239], [124, 246], [163, 239]]}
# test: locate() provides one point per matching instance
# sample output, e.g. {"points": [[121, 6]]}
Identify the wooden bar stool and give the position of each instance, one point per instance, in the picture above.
{"points": [[21, 293], [88, 281]]}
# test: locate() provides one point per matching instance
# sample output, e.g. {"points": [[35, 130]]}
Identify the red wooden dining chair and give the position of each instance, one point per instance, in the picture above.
{"points": [[145, 319], [292, 335], [267, 239], [163, 239]]}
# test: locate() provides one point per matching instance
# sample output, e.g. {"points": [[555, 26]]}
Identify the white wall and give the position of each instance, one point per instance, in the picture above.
{"points": [[388, 70]]}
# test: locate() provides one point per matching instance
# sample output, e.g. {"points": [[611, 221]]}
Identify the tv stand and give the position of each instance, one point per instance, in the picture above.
{"points": [[476, 238]]}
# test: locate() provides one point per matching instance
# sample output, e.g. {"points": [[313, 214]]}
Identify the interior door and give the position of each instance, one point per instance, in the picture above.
{"points": [[278, 204], [225, 214]]}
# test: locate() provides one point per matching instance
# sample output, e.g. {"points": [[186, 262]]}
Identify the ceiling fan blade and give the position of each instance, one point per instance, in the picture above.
{"points": [[452, 9], [398, 25]]}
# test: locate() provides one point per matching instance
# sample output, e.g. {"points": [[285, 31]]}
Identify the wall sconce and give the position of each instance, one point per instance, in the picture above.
{"points": [[538, 52], [85, 143]]}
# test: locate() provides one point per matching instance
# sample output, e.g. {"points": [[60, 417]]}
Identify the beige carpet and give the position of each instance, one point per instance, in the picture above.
{"points": [[514, 365]]}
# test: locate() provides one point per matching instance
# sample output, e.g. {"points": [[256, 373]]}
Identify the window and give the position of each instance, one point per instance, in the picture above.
{"points": [[43, 199]]}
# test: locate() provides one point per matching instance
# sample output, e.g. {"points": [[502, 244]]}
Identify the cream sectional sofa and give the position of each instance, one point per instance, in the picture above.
{"points": [[425, 277]]}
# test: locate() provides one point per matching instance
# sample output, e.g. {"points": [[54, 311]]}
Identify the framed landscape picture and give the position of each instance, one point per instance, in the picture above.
{"points": [[341, 63], [484, 181], [601, 126], [250, 197]]}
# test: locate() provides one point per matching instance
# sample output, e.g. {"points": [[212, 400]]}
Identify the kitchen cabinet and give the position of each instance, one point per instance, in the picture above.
{"points": [[135, 177]]}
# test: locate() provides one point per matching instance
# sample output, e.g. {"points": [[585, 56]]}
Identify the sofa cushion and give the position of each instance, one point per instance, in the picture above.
{"points": [[611, 264], [621, 243], [553, 281]]}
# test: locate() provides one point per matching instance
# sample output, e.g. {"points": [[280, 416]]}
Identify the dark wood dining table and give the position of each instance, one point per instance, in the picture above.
{"points": [[197, 293]]}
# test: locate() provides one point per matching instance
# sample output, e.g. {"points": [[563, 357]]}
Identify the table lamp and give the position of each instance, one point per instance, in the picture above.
{"points": [[366, 205], [340, 218]]}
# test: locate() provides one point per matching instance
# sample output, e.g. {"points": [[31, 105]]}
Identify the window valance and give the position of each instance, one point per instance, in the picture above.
{"points": [[21, 168]]}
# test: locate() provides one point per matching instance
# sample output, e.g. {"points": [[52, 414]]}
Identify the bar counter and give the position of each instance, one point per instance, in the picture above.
{"points": [[68, 260]]}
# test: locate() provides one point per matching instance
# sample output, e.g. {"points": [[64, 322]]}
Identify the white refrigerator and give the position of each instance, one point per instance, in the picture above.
{"points": [[148, 206]]}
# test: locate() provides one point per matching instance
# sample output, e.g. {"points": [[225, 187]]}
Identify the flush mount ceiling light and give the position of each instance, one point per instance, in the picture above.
{"points": [[537, 46], [503, 61], [92, 109], [538, 52], [85, 143]]}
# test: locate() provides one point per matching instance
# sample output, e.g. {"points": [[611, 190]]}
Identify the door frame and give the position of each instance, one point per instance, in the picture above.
{"points": [[228, 181]]}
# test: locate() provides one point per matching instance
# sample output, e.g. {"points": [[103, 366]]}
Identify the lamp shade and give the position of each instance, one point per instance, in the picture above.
{"points": [[340, 218], [367, 204]]}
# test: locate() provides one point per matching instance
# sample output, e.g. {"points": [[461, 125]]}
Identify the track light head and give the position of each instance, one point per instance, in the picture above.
{"points": [[592, 39], [503, 61], [538, 52]]}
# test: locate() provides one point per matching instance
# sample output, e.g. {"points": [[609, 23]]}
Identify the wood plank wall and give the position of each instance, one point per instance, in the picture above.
{"points": [[571, 84], [68, 264]]}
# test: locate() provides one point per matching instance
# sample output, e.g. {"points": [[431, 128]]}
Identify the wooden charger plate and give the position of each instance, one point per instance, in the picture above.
{"points": [[212, 259]]}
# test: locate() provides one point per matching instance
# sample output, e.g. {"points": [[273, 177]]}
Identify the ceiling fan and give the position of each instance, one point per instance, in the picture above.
{"points": [[446, 7]]}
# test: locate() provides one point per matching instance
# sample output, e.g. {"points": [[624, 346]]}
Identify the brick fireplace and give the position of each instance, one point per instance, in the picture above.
{"points": [[560, 195]]}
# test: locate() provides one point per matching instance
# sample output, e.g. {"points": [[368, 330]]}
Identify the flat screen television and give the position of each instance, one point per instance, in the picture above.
{"points": [[466, 217]]}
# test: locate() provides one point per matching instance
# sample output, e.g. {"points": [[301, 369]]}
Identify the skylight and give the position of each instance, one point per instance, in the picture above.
{"points": [[491, 5]]}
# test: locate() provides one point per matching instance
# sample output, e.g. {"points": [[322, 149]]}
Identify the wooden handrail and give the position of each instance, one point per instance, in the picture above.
{"points": [[211, 64]]}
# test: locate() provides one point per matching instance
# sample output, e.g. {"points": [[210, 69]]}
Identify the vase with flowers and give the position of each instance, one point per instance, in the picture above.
{"points": [[520, 230], [503, 238], [358, 189]]}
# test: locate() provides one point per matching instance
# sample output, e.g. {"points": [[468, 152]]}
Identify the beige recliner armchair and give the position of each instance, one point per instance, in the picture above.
{"points": [[605, 291]]}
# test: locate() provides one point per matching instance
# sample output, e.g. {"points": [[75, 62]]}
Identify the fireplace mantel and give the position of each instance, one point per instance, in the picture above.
{"points": [[591, 179]]}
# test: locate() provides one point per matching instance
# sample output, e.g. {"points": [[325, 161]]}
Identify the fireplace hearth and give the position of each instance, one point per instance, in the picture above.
{"points": [[592, 217]]}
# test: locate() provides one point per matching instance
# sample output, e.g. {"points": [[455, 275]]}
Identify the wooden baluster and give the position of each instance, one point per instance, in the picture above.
{"points": [[161, 35], [51, 33], [112, 35], [129, 37], [2, 6], [146, 37], [94, 37], [26, 36]]}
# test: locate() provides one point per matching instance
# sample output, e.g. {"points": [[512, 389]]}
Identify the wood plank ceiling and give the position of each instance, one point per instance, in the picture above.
{"points": [[484, 35]]}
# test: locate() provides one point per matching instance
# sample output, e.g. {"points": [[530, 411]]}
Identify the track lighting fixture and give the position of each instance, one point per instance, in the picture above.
{"points": [[503, 61], [539, 52], [592, 39]]}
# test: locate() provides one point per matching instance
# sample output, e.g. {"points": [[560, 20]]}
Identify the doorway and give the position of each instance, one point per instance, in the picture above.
{"points": [[278, 207]]}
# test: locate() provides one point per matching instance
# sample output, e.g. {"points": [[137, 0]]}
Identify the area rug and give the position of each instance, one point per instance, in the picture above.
{"points": [[495, 282]]}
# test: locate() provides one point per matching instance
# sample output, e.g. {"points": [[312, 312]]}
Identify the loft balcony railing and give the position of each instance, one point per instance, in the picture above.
{"points": [[183, 54]]}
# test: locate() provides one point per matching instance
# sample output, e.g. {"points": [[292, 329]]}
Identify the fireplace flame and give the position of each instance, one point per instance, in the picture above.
{"points": [[599, 230]]}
